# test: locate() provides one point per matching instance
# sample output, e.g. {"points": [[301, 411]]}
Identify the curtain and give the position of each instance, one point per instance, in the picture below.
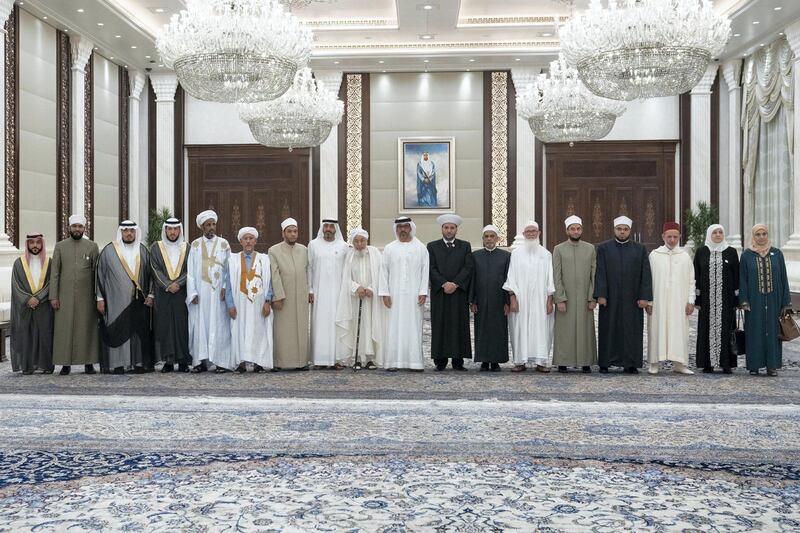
{"points": [[768, 141]]}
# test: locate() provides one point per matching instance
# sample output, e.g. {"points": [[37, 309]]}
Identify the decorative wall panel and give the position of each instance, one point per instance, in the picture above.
{"points": [[63, 157], [12, 124]]}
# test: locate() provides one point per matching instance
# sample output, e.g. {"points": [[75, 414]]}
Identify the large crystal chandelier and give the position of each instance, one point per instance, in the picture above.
{"points": [[644, 48], [235, 50], [559, 107], [302, 117]]}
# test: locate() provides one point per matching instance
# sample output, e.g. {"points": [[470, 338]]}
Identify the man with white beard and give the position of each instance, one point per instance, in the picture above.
{"points": [[209, 324], [404, 290], [530, 285], [360, 315], [326, 255]]}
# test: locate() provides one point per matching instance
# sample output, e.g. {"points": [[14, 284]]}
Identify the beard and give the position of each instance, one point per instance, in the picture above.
{"points": [[76, 235], [173, 240], [574, 239], [34, 251], [623, 240]]}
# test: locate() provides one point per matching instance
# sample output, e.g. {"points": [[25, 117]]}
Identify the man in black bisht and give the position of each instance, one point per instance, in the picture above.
{"points": [[170, 314], [450, 275], [623, 288], [123, 300], [489, 302]]}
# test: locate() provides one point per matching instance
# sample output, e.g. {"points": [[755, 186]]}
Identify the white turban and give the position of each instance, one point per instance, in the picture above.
{"points": [[623, 221], [492, 228], [358, 232], [449, 219], [530, 224], [77, 219], [247, 231], [288, 222], [205, 216], [574, 219]]}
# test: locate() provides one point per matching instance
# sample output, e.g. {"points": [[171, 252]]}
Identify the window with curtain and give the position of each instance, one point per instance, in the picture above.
{"points": [[768, 141]]}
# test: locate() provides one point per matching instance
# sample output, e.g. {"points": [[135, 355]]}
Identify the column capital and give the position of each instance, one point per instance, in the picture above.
{"points": [[524, 78], [703, 87], [136, 80], [164, 86], [6, 6], [732, 72], [792, 32], [81, 49], [331, 80]]}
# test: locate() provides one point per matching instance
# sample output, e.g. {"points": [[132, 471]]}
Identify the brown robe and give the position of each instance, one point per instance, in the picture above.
{"points": [[290, 325]]}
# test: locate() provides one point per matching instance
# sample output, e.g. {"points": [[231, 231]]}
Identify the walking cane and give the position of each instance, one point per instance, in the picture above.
{"points": [[358, 333]]}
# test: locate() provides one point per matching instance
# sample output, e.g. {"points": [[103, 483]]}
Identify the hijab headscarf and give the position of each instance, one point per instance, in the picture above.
{"points": [[716, 246], [760, 250]]}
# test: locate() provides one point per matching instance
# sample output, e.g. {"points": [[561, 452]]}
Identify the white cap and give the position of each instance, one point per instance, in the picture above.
{"points": [[77, 219], [574, 219], [490, 227], [247, 230], [205, 216], [530, 223], [623, 221], [288, 222], [358, 232], [449, 219]]}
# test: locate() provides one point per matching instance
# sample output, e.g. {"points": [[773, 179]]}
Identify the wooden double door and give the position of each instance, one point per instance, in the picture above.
{"points": [[249, 185], [598, 181]]}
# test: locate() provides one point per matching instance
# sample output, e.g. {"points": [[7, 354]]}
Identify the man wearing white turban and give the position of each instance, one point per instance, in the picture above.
{"points": [[326, 257], [360, 313], [289, 261], [404, 290], [248, 299], [530, 287], [209, 324], [72, 296]]}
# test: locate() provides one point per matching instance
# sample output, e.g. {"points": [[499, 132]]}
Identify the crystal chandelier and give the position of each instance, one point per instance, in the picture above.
{"points": [[644, 48], [235, 50], [302, 117], [559, 107]]}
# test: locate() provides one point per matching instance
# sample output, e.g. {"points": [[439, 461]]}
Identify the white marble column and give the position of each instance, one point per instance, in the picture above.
{"points": [[165, 85], [526, 157], [791, 249], [329, 155], [732, 72], [136, 80], [700, 168], [81, 49], [6, 6]]}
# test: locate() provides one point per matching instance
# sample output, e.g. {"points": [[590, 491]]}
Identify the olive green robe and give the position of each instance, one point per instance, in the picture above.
{"points": [[573, 269], [289, 265], [72, 271]]}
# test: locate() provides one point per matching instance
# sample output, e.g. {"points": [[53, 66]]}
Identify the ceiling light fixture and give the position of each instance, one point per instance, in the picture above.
{"points": [[118, 36], [778, 8], [100, 24], [427, 7], [80, 10], [756, 22], [159, 10], [381, 61]]}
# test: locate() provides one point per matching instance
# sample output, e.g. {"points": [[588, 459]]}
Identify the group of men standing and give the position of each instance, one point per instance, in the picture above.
{"points": [[331, 305]]}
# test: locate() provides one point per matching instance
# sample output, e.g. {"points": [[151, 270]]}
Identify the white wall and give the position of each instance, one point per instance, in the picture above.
{"points": [[214, 123], [106, 150], [37, 128], [652, 119], [426, 104]]}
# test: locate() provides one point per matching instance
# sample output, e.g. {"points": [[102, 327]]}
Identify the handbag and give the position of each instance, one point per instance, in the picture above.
{"points": [[737, 335], [789, 330]]}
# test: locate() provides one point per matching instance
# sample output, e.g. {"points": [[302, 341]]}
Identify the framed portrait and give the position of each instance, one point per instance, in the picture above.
{"points": [[426, 175]]}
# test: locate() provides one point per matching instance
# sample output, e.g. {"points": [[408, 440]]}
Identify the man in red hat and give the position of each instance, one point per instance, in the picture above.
{"points": [[673, 302]]}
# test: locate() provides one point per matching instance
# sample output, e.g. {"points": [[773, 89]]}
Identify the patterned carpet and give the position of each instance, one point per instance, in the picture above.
{"points": [[376, 451]]}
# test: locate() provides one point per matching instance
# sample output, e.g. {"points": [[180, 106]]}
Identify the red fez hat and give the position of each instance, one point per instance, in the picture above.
{"points": [[670, 225]]}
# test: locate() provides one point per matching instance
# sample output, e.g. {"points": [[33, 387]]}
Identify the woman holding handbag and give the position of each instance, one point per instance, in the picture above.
{"points": [[716, 271], [764, 296]]}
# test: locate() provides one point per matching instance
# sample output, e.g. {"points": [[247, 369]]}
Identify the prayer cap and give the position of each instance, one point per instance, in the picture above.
{"points": [[206, 215], [288, 222], [530, 224], [574, 219], [492, 228], [247, 230], [449, 219], [77, 219], [172, 222], [670, 225], [622, 220], [356, 232]]}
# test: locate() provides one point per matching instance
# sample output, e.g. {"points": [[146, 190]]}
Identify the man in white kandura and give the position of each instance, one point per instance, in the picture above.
{"points": [[360, 314], [404, 289], [248, 298], [673, 302], [209, 324], [530, 285], [326, 255]]}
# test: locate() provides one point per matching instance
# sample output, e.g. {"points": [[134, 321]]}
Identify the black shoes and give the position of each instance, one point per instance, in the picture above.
{"points": [[708, 370], [495, 367], [183, 367], [65, 370], [604, 370], [118, 371], [727, 370], [484, 367], [562, 370], [586, 369], [631, 370], [167, 368], [200, 368]]}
